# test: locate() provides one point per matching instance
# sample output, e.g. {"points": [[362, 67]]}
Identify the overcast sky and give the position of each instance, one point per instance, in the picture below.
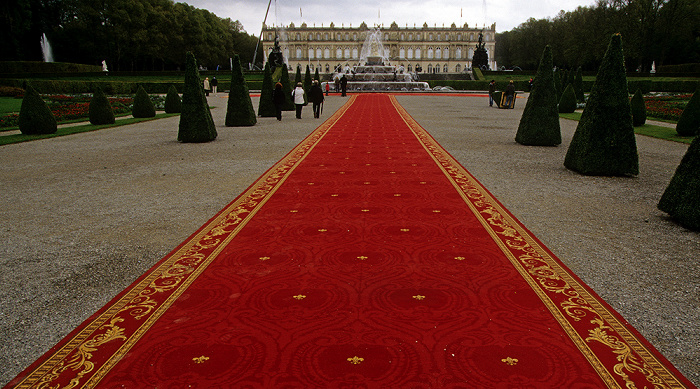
{"points": [[507, 14]]}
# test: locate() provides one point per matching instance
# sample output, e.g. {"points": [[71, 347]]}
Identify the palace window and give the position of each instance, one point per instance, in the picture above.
{"points": [[446, 54], [439, 37], [410, 37], [270, 37], [311, 53], [339, 53], [355, 55], [430, 36], [402, 53], [325, 36], [386, 37], [298, 36], [410, 53], [458, 68], [459, 37], [471, 54], [410, 69], [418, 53], [430, 53], [327, 53], [338, 36], [418, 37], [459, 53], [438, 53], [403, 36], [298, 52], [286, 52], [347, 36], [354, 36], [319, 53], [444, 68], [471, 36], [347, 53], [328, 68], [430, 68], [318, 36]]}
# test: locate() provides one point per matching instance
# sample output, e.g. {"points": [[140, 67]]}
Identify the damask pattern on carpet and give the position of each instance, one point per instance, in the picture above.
{"points": [[366, 258]]}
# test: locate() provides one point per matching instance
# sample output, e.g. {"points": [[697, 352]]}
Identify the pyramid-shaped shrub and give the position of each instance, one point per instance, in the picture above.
{"points": [[287, 90], [681, 200], [539, 124], [100, 111], [196, 123], [307, 84], [173, 103], [639, 111], [604, 142], [297, 77], [143, 106], [239, 111], [578, 86], [689, 122], [567, 104], [557, 84], [266, 107], [35, 117]]}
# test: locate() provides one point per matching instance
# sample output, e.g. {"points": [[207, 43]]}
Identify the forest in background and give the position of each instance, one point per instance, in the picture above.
{"points": [[665, 32], [131, 35]]}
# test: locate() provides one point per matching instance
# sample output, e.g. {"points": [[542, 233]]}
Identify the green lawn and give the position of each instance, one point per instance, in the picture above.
{"points": [[653, 131], [9, 139], [9, 105]]}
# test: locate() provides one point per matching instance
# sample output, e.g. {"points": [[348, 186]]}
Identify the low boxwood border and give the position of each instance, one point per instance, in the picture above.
{"points": [[650, 130]]}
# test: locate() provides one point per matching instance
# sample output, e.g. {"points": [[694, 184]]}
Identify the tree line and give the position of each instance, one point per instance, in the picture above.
{"points": [[664, 32], [131, 35]]}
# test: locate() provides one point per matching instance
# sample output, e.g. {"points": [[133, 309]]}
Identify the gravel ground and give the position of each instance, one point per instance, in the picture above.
{"points": [[83, 216]]}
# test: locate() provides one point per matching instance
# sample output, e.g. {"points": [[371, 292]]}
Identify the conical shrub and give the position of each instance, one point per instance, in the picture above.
{"points": [[539, 124], [173, 103], [35, 117], [266, 107], [604, 142], [689, 122], [557, 84], [239, 111], [578, 86], [681, 200], [297, 77], [307, 84], [316, 75], [143, 106], [567, 104], [639, 111], [196, 123], [287, 90], [100, 111]]}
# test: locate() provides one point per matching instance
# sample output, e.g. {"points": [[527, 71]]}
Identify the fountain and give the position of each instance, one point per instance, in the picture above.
{"points": [[46, 49], [375, 73]]}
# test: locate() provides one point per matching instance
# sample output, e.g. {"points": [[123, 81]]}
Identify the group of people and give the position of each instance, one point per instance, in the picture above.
{"points": [[315, 96], [509, 92], [210, 86]]}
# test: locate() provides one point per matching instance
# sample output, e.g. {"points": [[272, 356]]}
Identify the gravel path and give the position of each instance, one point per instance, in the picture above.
{"points": [[83, 216]]}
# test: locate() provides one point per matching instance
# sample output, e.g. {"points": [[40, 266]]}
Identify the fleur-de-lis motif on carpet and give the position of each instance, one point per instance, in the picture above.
{"points": [[460, 258], [300, 297], [362, 257], [510, 361], [264, 258], [201, 359], [355, 360], [419, 297]]}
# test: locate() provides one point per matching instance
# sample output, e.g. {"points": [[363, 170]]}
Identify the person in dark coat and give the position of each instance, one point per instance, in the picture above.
{"points": [[510, 93], [343, 85], [492, 90], [316, 97], [214, 85], [278, 99]]}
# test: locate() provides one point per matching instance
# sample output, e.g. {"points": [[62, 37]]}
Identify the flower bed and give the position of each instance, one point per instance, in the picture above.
{"points": [[665, 106]]}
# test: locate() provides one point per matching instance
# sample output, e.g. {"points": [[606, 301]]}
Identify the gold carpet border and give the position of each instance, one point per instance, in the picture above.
{"points": [[168, 281], [549, 279]]}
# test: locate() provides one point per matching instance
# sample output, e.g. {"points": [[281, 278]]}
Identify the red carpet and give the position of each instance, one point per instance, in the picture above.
{"points": [[366, 258]]}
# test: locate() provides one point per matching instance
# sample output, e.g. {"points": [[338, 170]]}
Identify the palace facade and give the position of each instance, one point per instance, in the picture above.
{"points": [[425, 49]]}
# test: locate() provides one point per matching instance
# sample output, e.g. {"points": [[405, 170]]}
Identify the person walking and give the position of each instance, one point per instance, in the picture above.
{"points": [[343, 85], [214, 85], [510, 93], [278, 99], [207, 86], [328, 88], [492, 90], [316, 97], [298, 96]]}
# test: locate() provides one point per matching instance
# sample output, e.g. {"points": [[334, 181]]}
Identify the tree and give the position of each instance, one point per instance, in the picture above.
{"points": [[287, 90], [173, 103], [681, 199], [567, 104], [35, 117], [100, 110], [266, 107], [639, 111], [143, 106], [239, 111], [689, 122], [196, 123], [604, 143], [539, 124]]}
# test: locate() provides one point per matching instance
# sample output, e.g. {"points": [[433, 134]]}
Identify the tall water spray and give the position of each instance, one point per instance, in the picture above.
{"points": [[46, 49]]}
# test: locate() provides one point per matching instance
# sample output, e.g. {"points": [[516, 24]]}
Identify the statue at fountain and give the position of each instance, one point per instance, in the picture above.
{"points": [[276, 58], [481, 57]]}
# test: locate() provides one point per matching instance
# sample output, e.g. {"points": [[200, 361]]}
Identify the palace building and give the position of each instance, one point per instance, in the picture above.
{"points": [[424, 49]]}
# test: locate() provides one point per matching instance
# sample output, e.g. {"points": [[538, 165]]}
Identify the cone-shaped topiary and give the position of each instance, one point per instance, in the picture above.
{"points": [[689, 122], [557, 84], [297, 77], [604, 142], [307, 85], [266, 107], [567, 104], [639, 111], [681, 199], [100, 111], [287, 89], [143, 106], [173, 103], [196, 123], [316, 75], [578, 86], [35, 117], [240, 111], [539, 125]]}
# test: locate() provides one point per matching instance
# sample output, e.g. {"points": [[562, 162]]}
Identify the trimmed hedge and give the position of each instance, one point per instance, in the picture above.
{"points": [[239, 109], [539, 124], [23, 67], [196, 124], [35, 117], [680, 199], [287, 90], [100, 111], [143, 106], [639, 110], [266, 107], [604, 143], [689, 122], [567, 104], [173, 103]]}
